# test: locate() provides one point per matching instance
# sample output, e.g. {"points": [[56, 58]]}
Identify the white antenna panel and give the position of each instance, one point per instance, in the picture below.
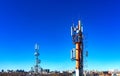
{"points": [[81, 28], [36, 46], [71, 30]]}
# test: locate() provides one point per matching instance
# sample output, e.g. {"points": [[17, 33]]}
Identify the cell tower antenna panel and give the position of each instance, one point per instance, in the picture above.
{"points": [[79, 25], [73, 54], [36, 46], [81, 28], [72, 30]]}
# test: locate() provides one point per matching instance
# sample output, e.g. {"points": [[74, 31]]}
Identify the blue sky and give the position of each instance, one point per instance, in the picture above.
{"points": [[47, 22]]}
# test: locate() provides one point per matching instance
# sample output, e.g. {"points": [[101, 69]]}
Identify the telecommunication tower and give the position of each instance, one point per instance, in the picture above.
{"points": [[36, 58], [77, 52]]}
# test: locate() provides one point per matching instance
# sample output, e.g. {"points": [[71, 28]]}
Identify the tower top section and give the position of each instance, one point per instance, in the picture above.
{"points": [[76, 32]]}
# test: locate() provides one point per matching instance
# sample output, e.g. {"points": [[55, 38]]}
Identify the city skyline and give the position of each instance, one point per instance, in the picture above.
{"points": [[27, 22]]}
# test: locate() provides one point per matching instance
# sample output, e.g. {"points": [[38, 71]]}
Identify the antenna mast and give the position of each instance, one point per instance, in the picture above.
{"points": [[77, 38], [36, 58]]}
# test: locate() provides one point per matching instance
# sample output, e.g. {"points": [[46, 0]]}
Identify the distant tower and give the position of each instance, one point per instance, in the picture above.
{"points": [[36, 58], [77, 53]]}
